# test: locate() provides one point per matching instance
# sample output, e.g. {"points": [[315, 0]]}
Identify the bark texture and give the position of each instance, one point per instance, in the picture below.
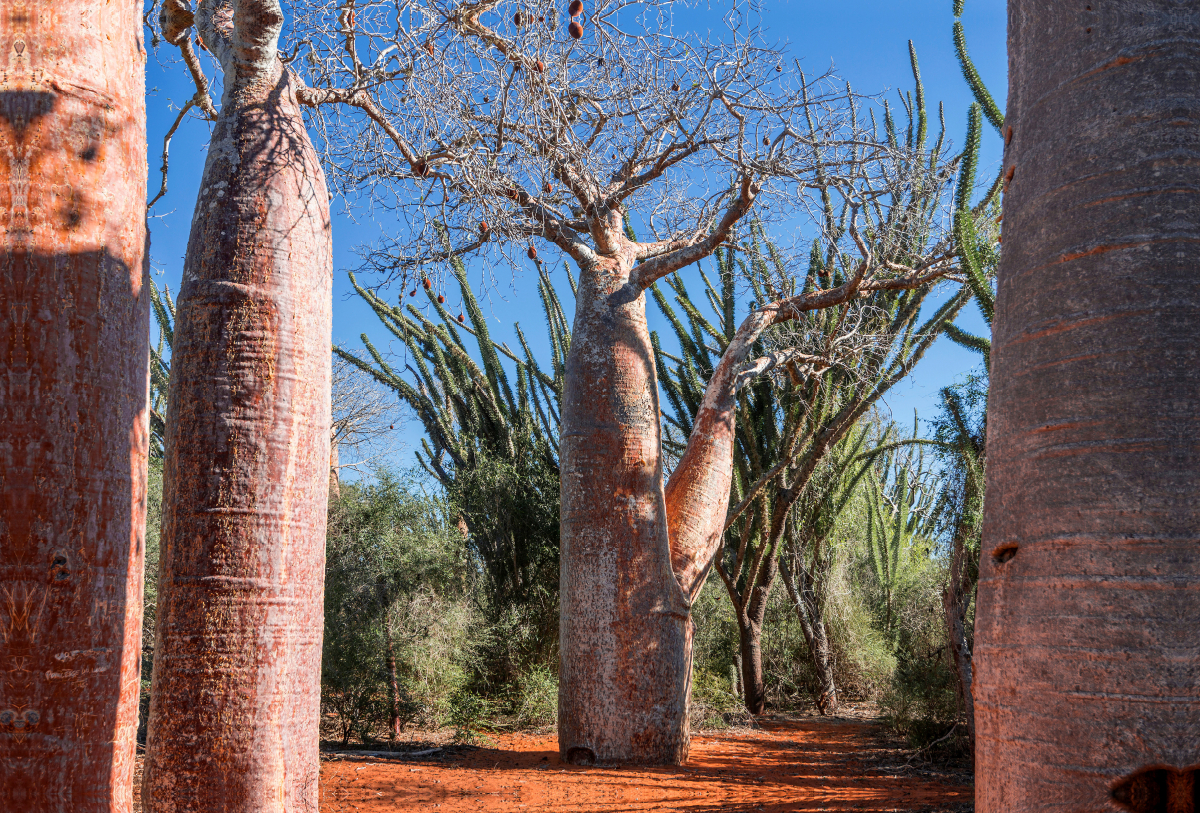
{"points": [[236, 697], [634, 555], [74, 362], [1087, 658]]}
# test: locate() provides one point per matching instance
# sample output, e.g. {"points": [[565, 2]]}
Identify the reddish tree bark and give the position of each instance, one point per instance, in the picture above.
{"points": [[235, 699], [74, 362], [635, 553], [1086, 647]]}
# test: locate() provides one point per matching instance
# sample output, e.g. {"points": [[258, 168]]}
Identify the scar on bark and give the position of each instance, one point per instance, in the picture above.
{"points": [[1004, 553], [1159, 790]]}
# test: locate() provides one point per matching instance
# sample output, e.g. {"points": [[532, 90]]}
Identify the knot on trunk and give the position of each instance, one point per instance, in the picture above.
{"points": [[175, 19]]}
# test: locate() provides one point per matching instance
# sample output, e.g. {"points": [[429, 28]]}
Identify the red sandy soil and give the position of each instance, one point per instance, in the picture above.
{"points": [[792, 764]]}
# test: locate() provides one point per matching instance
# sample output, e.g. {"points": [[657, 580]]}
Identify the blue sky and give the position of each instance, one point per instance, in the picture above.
{"points": [[865, 40]]}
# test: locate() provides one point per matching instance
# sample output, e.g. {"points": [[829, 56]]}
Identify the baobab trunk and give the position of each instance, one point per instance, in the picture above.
{"points": [[1086, 647], [74, 363], [633, 555], [235, 697]]}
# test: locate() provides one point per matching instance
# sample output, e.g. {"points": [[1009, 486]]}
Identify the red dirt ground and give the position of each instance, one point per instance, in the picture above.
{"points": [[801, 764]]}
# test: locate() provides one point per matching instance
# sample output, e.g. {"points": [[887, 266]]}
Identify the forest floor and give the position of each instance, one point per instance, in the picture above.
{"points": [[788, 763]]}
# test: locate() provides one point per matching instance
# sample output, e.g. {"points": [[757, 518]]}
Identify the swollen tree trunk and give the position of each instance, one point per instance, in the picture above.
{"points": [[74, 361], [627, 582], [1086, 646], [235, 697]]}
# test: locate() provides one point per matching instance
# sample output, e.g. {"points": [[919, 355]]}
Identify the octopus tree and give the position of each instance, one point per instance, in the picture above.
{"points": [[74, 324], [235, 697], [510, 128]]}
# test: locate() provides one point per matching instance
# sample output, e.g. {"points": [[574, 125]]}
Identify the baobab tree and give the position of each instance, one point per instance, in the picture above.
{"points": [[1086, 692], [518, 127], [74, 323], [235, 697]]}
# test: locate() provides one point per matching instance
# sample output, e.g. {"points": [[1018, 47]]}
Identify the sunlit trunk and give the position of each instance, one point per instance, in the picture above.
{"points": [[625, 629], [235, 699], [74, 362], [1086, 648]]}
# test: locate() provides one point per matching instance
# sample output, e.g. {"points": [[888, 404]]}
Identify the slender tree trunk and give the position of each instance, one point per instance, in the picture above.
{"points": [[335, 481], [810, 612], [750, 625], [393, 684], [74, 361], [956, 600], [1086, 646], [235, 698]]}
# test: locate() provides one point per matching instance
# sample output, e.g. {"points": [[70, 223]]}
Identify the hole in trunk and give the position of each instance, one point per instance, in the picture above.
{"points": [[578, 755], [1159, 790], [1004, 553]]}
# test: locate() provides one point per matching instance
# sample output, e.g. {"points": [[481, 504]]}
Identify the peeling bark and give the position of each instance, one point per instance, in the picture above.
{"points": [[74, 431], [1086, 652], [235, 699]]}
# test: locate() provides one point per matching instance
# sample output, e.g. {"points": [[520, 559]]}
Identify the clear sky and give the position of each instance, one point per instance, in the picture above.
{"points": [[865, 40]]}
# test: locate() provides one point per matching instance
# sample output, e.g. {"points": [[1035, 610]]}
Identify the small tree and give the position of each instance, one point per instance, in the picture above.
{"points": [[518, 130]]}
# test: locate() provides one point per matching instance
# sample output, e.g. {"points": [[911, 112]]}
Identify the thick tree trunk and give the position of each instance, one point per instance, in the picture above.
{"points": [[74, 361], [335, 481], [1086, 647], [235, 698], [625, 629]]}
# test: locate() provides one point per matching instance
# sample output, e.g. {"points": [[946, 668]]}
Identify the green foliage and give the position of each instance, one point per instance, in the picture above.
{"points": [[398, 580], [494, 449], [163, 308], [154, 510], [903, 515]]}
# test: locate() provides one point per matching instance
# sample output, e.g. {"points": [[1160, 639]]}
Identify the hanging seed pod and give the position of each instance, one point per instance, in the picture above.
{"points": [[413, 292], [392, 426], [542, 18], [675, 86], [429, 48], [575, 8], [484, 228], [461, 319], [531, 253], [517, 18], [600, 62], [575, 30], [427, 283], [510, 193], [441, 299], [540, 66], [547, 188], [778, 69], [766, 141]]}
